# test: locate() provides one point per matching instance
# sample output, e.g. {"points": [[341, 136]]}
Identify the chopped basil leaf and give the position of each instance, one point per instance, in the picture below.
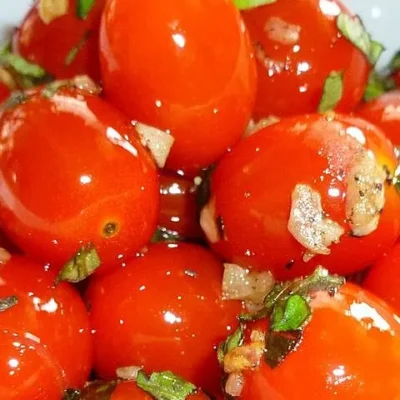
{"points": [[8, 302], [73, 53], [83, 8], [165, 385], [80, 266], [394, 64], [290, 316], [279, 344], [20, 65], [353, 30], [231, 342], [247, 4], [72, 394], [377, 85], [97, 390], [332, 92]]}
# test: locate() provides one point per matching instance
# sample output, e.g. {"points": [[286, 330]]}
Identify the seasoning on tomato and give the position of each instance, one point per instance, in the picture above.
{"points": [[318, 338], [307, 191], [62, 37], [55, 314], [186, 67], [75, 177], [307, 51], [163, 308]]}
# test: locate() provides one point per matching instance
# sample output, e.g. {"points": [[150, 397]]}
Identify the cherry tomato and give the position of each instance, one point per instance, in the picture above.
{"points": [[297, 45], [28, 370], [178, 206], [90, 181], [160, 310], [174, 79], [7, 84], [349, 348], [65, 47], [384, 112], [383, 278], [306, 191], [53, 313], [4, 92], [129, 390]]}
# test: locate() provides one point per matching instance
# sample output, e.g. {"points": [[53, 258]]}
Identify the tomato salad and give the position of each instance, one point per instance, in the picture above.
{"points": [[198, 200]]}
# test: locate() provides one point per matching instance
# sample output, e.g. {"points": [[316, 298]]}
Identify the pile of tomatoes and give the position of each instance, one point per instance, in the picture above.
{"points": [[198, 200]]}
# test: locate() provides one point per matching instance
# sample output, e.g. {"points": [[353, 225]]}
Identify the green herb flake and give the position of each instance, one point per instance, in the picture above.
{"points": [[165, 386], [394, 64], [353, 30], [73, 53], [377, 85], [290, 316], [248, 4], [97, 390], [279, 345], [80, 266], [332, 92], [20, 65], [83, 8], [8, 302], [231, 342]]}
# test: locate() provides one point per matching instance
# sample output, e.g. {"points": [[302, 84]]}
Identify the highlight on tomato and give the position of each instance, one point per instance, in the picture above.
{"points": [[307, 191]]}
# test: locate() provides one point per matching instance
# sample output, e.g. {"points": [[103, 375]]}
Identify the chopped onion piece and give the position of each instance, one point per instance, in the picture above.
{"points": [[234, 384], [208, 222], [157, 141], [128, 373], [86, 83], [4, 255], [6, 78], [49, 10], [241, 284], [281, 31], [365, 196], [308, 224]]}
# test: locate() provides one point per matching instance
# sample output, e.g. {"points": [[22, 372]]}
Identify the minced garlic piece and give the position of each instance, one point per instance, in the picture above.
{"points": [[281, 31], [49, 10], [365, 196], [244, 357], [308, 224]]}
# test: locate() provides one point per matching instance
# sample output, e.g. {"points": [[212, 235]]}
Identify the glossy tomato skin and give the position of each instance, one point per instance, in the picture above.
{"points": [[158, 311], [297, 45], [252, 189], [54, 313], [28, 370], [91, 181], [129, 390], [383, 279], [174, 78], [4, 92], [49, 45], [384, 112], [350, 350], [178, 206]]}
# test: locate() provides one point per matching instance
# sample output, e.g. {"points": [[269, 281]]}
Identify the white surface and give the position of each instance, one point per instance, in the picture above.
{"points": [[382, 18]]}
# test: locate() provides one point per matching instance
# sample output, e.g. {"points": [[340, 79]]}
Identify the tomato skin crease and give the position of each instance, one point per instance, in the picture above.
{"points": [[91, 173], [174, 80], [252, 188], [297, 45], [54, 314], [28, 370], [159, 324], [50, 44], [350, 347]]}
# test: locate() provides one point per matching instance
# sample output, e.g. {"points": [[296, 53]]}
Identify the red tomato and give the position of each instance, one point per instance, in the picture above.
{"points": [[28, 370], [4, 92], [350, 351], [297, 45], [384, 112], [91, 181], [54, 314], [262, 188], [178, 206], [173, 78], [162, 309], [51, 45], [383, 278], [129, 391]]}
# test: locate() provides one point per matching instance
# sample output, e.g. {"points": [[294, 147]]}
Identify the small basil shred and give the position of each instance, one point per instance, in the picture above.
{"points": [[20, 65], [248, 4], [73, 53], [231, 342], [332, 92], [83, 8]]}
